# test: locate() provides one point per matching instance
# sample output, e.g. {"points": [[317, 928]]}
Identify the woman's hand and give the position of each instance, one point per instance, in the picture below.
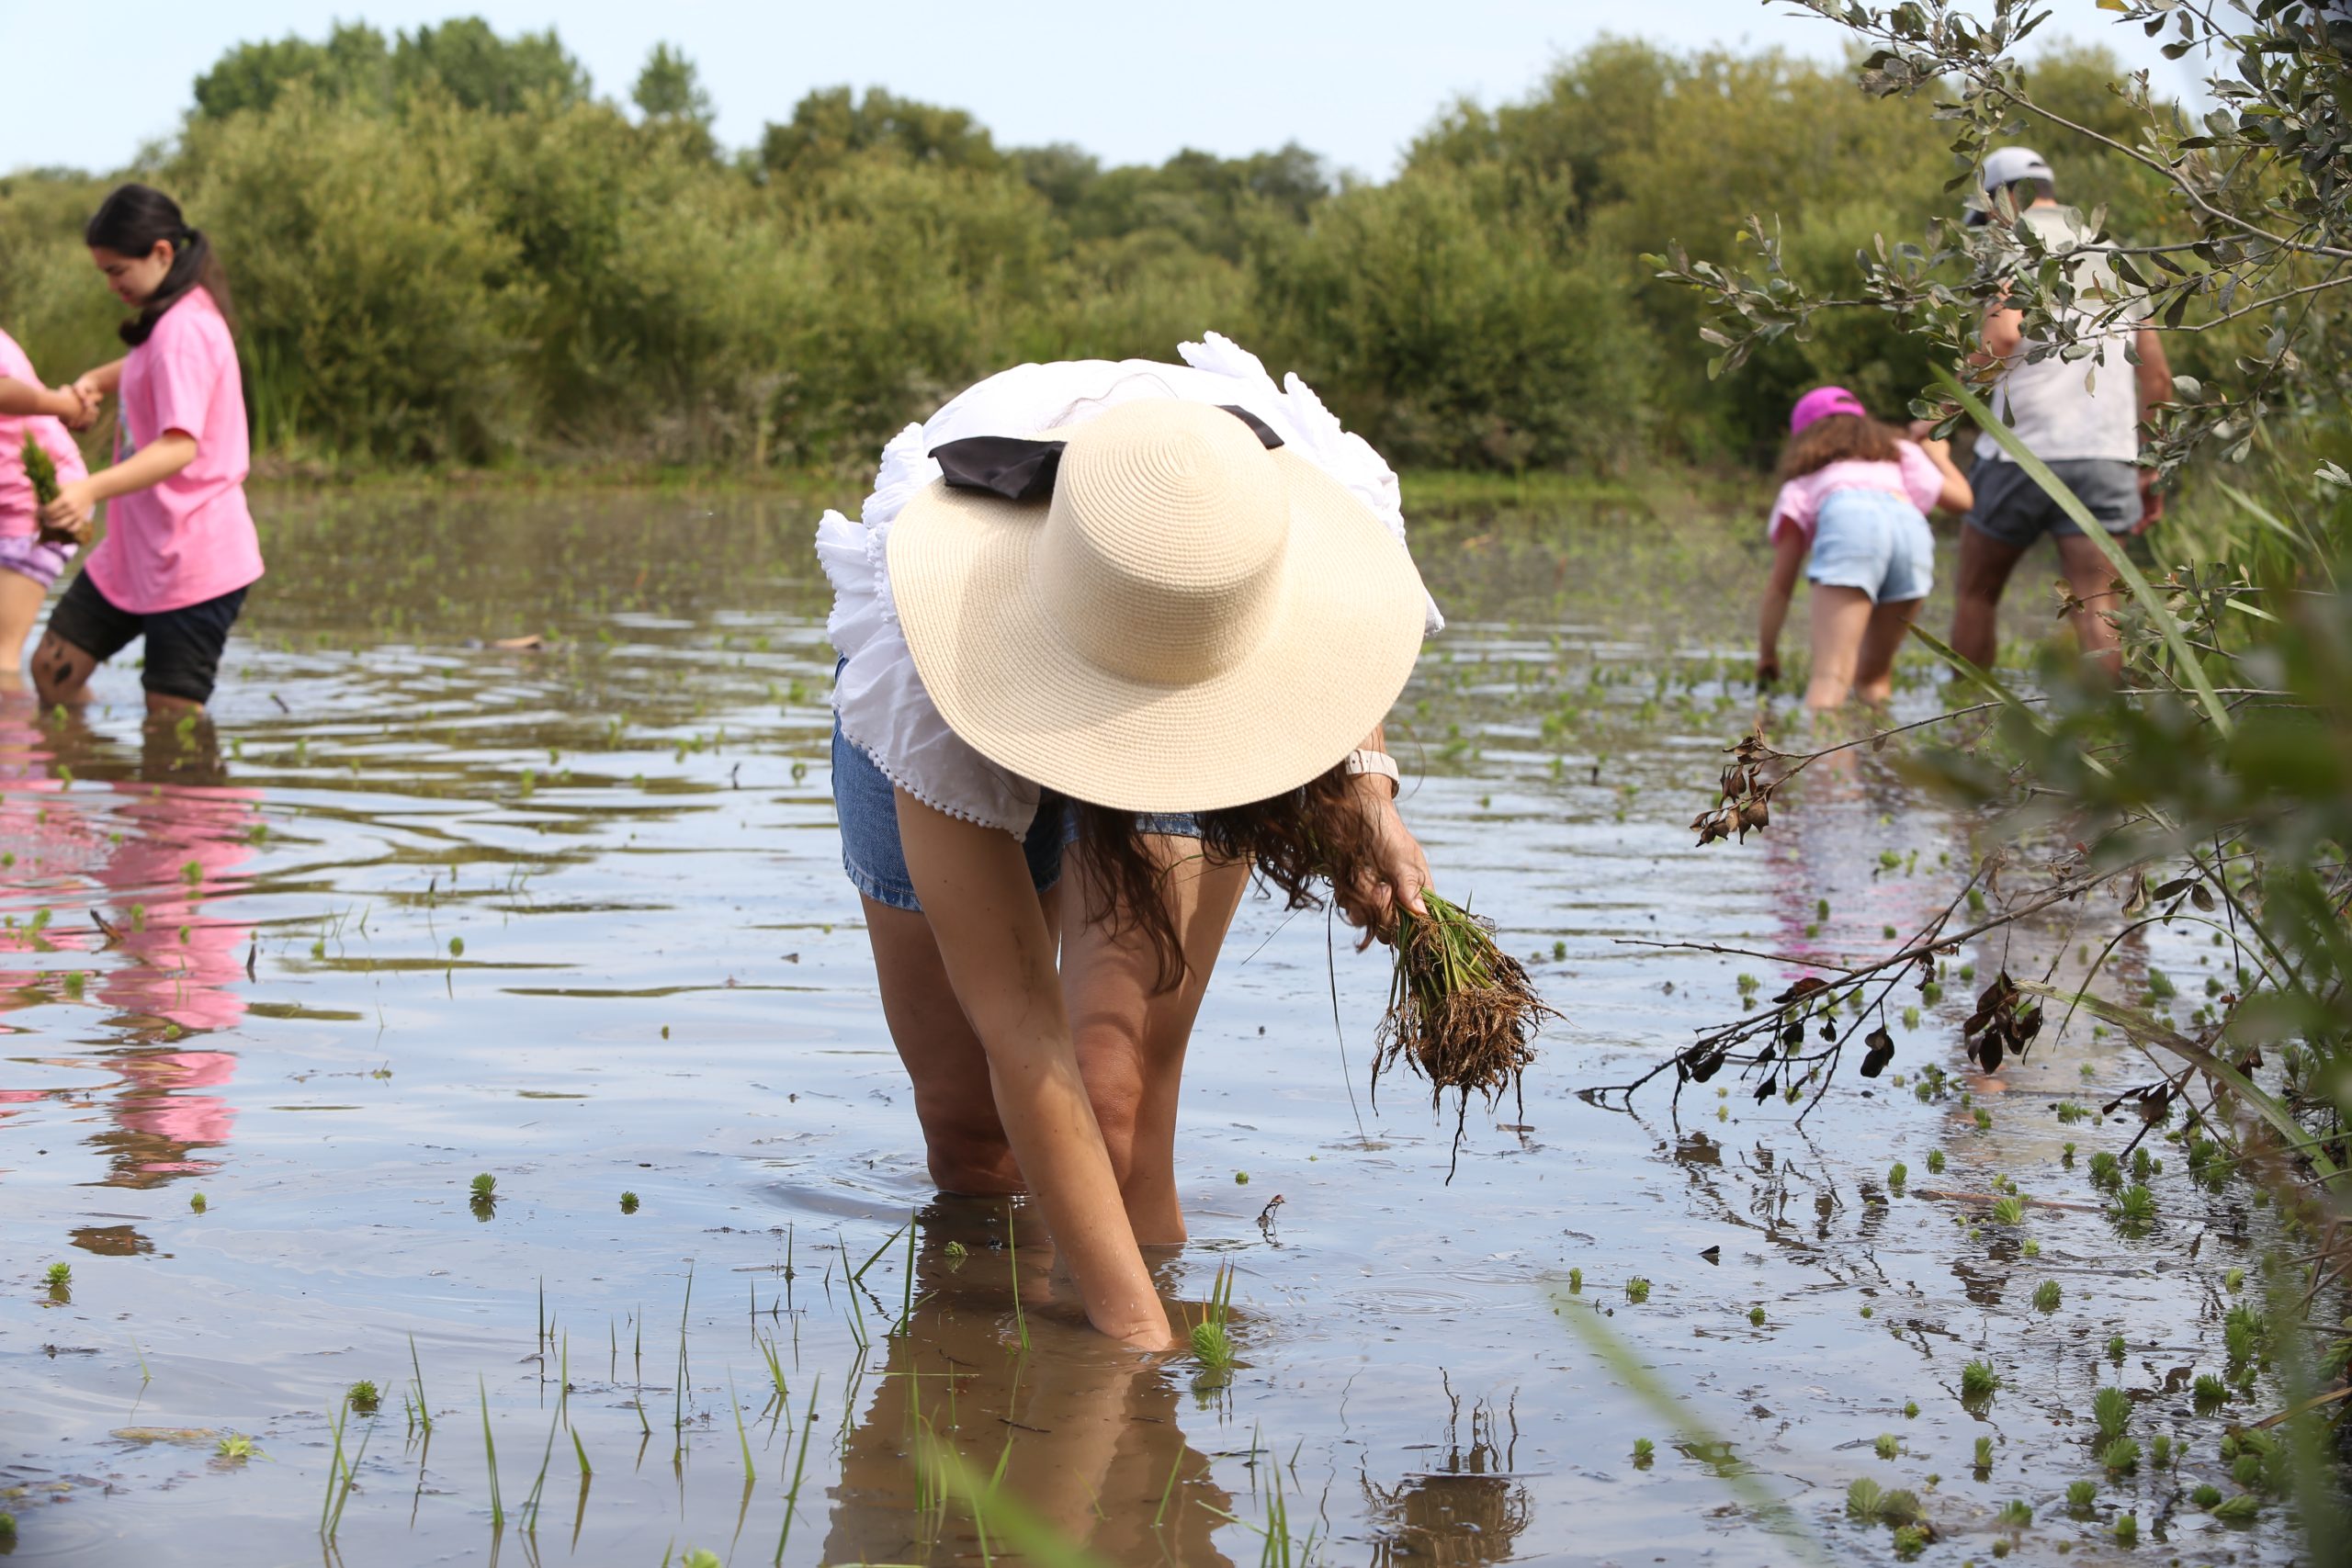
{"points": [[70, 515], [1395, 873]]}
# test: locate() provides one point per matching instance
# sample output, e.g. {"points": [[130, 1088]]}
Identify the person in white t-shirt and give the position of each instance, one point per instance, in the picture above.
{"points": [[2082, 417]]}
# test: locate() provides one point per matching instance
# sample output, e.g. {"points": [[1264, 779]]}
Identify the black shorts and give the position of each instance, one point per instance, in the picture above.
{"points": [[183, 645]]}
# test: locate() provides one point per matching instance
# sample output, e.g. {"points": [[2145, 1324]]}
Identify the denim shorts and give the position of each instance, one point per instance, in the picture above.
{"points": [[1873, 541], [2016, 510], [867, 806]]}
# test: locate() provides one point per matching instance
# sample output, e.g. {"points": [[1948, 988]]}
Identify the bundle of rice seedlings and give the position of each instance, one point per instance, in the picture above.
{"points": [[41, 472], [1461, 1012]]}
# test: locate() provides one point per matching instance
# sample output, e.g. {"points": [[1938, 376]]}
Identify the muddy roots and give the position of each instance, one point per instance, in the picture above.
{"points": [[1461, 1012]]}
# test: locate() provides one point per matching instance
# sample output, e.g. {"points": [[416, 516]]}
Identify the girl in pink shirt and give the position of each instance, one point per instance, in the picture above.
{"points": [[1853, 496], [179, 550], [29, 564]]}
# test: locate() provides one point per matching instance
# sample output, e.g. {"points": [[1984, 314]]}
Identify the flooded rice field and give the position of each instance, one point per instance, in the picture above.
{"points": [[493, 1024]]}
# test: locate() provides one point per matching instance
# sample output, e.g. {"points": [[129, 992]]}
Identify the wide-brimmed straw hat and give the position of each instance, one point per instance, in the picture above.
{"points": [[1191, 619]]}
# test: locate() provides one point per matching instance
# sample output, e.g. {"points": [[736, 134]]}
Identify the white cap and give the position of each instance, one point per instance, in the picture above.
{"points": [[2003, 166]]}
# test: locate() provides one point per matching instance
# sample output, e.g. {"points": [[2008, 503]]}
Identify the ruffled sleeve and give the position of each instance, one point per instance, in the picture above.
{"points": [[1305, 423], [879, 698]]}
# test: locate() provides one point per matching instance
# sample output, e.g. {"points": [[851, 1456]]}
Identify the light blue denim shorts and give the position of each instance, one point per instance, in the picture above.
{"points": [[1873, 541], [867, 807]]}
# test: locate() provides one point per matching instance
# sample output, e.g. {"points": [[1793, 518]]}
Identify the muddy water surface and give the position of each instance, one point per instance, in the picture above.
{"points": [[571, 918]]}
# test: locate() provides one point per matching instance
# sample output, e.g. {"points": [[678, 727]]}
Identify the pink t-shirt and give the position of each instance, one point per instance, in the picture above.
{"points": [[1914, 477], [191, 537], [17, 509]]}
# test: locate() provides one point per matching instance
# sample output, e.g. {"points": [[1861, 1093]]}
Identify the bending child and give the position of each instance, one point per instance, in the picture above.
{"points": [[180, 549], [1853, 494]]}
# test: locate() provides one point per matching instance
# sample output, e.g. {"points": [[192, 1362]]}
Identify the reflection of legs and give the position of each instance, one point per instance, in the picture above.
{"points": [[2092, 580], [953, 1098], [1985, 563], [1130, 1042], [1882, 639], [1839, 618], [20, 602]]}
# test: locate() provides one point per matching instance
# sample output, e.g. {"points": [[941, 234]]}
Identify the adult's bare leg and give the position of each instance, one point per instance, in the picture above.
{"points": [[953, 1101], [1985, 564], [2092, 580], [1131, 1042]]}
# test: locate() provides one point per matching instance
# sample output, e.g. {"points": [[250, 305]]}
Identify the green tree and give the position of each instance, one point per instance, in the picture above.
{"points": [[830, 126], [670, 89]]}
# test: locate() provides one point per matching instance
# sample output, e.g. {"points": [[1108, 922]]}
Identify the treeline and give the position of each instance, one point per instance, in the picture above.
{"points": [[445, 248]]}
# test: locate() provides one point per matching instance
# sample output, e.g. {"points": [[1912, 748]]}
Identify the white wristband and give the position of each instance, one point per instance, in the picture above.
{"points": [[1381, 762]]}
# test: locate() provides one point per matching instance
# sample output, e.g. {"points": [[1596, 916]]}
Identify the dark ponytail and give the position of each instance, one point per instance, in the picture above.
{"points": [[131, 223]]}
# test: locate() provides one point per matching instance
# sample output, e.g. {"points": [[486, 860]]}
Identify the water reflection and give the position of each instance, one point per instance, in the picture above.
{"points": [[1469, 1509], [1084, 1433], [127, 853]]}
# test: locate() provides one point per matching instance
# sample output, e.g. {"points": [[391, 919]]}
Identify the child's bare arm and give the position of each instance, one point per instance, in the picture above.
{"points": [[1957, 495], [1789, 547], [22, 397]]}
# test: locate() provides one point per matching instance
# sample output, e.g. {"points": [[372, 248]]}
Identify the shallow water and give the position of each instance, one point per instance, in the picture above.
{"points": [[572, 917]]}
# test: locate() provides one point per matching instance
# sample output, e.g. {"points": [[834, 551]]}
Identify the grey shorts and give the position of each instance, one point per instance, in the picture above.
{"points": [[2013, 509]]}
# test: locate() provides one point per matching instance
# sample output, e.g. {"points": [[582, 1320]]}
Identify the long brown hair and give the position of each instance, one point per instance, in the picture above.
{"points": [[1316, 831], [131, 223], [1839, 438]]}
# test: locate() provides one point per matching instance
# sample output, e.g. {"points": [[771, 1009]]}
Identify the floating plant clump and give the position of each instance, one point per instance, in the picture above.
{"points": [[1461, 1012]]}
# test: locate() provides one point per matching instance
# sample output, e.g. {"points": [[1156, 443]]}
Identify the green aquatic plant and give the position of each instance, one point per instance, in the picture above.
{"points": [[2234, 1282], [1864, 1498], [2016, 1514], [1978, 1382], [2210, 1393], [1637, 1290], [197, 1200], [2205, 1495], [2081, 1496], [2160, 1450], [1461, 1010], [1909, 1541], [1887, 1444], [1896, 1175], [2236, 1510], [2133, 1208], [2009, 1212], [2106, 1169], [1576, 1282], [1983, 1455], [1983, 1119], [1212, 1344], [1935, 1161], [2121, 1457], [364, 1397], [1901, 1506], [628, 1203], [1910, 1410], [2111, 1411], [2116, 1348], [1755, 1316], [234, 1448], [60, 1276], [1645, 1451], [456, 947], [2127, 1530]]}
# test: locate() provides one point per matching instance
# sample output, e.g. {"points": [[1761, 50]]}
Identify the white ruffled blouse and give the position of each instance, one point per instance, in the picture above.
{"points": [[879, 698]]}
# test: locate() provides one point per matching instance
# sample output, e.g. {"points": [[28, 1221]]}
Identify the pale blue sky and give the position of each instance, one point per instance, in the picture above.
{"points": [[85, 84]]}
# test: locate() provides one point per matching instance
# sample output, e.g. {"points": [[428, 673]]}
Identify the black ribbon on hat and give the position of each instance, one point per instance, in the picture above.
{"points": [[1020, 469]]}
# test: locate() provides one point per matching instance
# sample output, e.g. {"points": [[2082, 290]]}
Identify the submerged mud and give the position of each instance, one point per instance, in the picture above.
{"points": [[570, 916]]}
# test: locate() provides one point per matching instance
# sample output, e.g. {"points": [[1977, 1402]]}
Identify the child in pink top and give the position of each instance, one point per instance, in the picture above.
{"points": [[180, 550], [1854, 496], [29, 564]]}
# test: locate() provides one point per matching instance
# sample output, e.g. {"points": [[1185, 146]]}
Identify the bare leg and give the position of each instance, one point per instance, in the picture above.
{"points": [[1131, 1042], [1840, 617], [61, 672], [1985, 563], [20, 602], [161, 706], [2092, 580], [1881, 639], [953, 1100]]}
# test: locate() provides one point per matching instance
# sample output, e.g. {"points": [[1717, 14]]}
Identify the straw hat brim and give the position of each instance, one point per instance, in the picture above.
{"points": [[1334, 657]]}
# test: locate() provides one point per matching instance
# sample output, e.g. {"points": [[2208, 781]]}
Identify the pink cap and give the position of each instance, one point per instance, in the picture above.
{"points": [[1820, 403]]}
